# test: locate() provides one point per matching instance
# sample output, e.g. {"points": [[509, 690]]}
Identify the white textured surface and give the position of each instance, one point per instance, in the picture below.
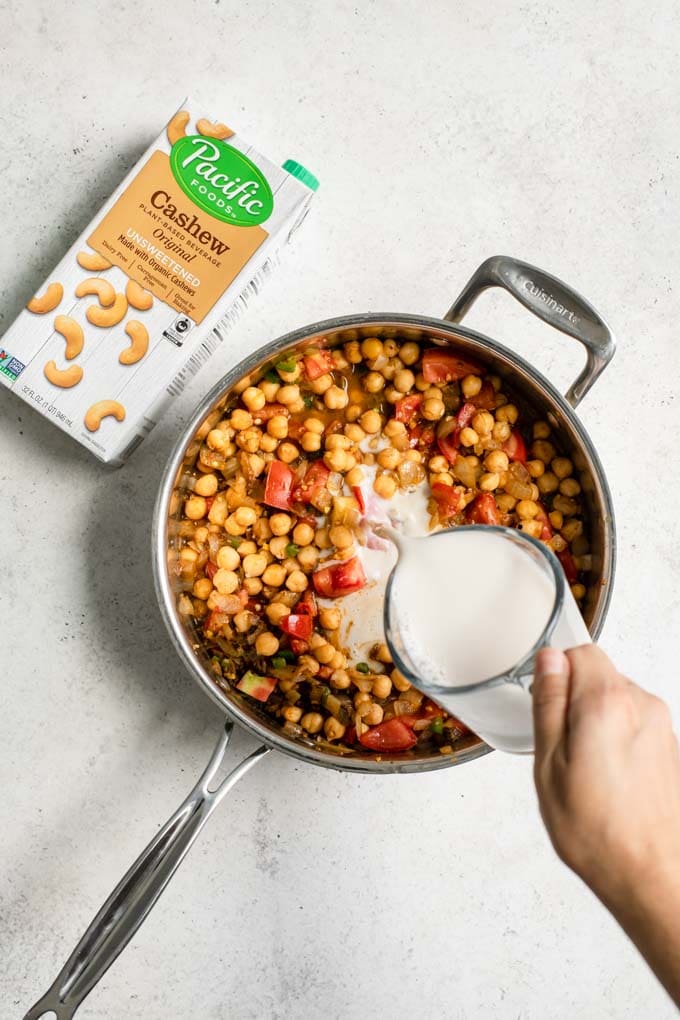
{"points": [[544, 131]]}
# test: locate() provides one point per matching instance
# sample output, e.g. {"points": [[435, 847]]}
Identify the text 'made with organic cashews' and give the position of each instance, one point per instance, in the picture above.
{"points": [[150, 288]]}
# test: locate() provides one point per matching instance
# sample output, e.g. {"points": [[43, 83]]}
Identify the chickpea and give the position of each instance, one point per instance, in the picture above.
{"points": [[557, 544], [280, 523], [489, 481], [243, 621], [496, 461], [541, 430], [335, 398], [324, 653], [340, 679], [370, 422], [338, 661], [333, 729], [381, 653], [270, 389], [441, 478], [547, 483], [202, 588], [276, 611], [266, 643], [362, 697], [371, 714], [206, 485], [507, 413], [382, 686], [483, 423], [310, 442], [312, 722], [501, 431], [329, 618], [288, 395], [374, 382], [253, 585], [246, 548], [527, 509], [389, 458], [240, 419], [400, 681], [468, 436], [308, 557], [506, 502], [228, 558], [323, 383], [556, 519], [278, 426], [572, 529], [268, 444], [535, 468], [355, 433], [336, 460], [188, 556], [274, 575], [338, 442], [278, 545], [314, 425], [303, 533], [353, 412], [409, 353], [195, 508], [470, 386], [217, 439], [569, 487], [262, 531], [254, 565], [321, 538], [249, 440], [354, 477], [226, 581], [256, 465], [404, 380], [291, 713], [567, 506], [562, 467], [253, 398], [352, 352], [531, 528], [385, 486], [433, 409], [245, 516], [296, 581], [371, 348], [578, 591], [544, 451], [341, 536]]}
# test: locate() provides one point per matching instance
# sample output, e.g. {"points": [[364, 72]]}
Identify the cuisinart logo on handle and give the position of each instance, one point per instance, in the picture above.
{"points": [[221, 180], [552, 303]]}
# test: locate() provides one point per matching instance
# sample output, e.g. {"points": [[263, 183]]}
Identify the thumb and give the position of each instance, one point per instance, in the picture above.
{"points": [[550, 692]]}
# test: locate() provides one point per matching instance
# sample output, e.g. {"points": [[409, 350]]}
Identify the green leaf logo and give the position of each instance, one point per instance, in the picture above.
{"points": [[221, 180]]}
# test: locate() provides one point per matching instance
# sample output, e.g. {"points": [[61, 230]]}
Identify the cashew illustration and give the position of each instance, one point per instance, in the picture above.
{"points": [[92, 261], [177, 127], [48, 301], [138, 297], [103, 409], [72, 333], [96, 285], [204, 127], [139, 346], [64, 377], [106, 317]]}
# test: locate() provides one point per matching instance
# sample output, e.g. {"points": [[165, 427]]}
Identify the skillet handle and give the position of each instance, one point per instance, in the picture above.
{"points": [[134, 896], [552, 301]]}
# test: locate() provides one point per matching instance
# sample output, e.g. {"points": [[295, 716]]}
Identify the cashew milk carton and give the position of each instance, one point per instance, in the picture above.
{"points": [[150, 289]]}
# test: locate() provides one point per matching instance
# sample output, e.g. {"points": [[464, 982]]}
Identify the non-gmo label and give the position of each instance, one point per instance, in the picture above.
{"points": [[10, 366], [221, 180]]}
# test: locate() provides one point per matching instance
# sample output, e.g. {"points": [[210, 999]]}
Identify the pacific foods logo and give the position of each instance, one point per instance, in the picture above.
{"points": [[221, 180]]}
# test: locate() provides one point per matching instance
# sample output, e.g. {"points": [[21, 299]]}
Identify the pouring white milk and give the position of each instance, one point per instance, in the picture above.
{"points": [[471, 605]]}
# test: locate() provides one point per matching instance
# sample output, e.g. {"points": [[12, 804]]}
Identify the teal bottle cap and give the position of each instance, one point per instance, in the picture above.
{"points": [[302, 173]]}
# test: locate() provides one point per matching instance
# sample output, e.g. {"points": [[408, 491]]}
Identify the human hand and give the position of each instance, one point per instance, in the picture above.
{"points": [[607, 773]]}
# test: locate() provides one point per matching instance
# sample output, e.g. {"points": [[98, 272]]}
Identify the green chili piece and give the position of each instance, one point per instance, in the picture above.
{"points": [[363, 667], [292, 549], [437, 725], [287, 365]]}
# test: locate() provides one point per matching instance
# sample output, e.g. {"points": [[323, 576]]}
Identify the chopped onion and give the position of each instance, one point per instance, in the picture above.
{"points": [[230, 604]]}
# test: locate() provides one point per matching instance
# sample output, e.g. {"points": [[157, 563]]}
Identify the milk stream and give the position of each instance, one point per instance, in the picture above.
{"points": [[468, 605]]}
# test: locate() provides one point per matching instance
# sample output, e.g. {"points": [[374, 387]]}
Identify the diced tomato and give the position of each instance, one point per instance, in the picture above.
{"points": [[315, 479], [307, 603], [542, 516], [342, 579], [515, 447], [569, 565], [244, 597], [393, 735], [405, 409], [209, 500], [449, 502], [318, 364], [215, 621], [448, 445], [298, 646], [350, 736], [210, 569], [466, 414], [258, 687], [485, 400], [299, 625], [483, 510], [420, 436], [269, 411], [441, 365], [278, 486], [296, 428]]}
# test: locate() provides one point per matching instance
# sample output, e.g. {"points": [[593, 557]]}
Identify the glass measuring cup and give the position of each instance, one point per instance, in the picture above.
{"points": [[496, 706]]}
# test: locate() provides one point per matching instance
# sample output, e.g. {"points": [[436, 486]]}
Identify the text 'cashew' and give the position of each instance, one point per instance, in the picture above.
{"points": [[92, 261], [204, 127], [138, 297], [48, 301], [96, 285], [72, 333], [139, 346], [177, 127], [105, 317], [64, 377], [103, 409]]}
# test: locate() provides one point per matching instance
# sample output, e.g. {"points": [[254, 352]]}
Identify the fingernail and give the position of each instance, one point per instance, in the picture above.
{"points": [[550, 661]]}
